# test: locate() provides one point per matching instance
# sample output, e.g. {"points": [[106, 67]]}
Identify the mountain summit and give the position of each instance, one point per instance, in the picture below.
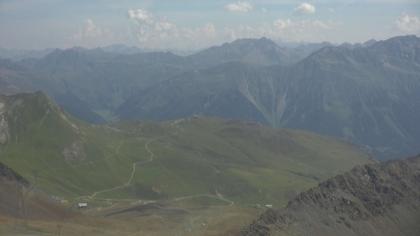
{"points": [[261, 51]]}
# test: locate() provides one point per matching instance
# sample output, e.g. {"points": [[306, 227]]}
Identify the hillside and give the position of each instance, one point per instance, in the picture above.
{"points": [[380, 199], [206, 157]]}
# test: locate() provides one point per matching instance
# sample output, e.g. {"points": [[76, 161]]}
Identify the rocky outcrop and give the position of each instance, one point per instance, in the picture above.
{"points": [[75, 152], [379, 199], [4, 127]]}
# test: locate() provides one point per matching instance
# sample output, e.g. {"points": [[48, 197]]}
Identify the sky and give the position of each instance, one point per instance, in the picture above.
{"points": [[196, 24]]}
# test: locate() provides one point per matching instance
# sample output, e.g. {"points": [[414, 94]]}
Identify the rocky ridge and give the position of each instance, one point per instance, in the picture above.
{"points": [[378, 199], [4, 128]]}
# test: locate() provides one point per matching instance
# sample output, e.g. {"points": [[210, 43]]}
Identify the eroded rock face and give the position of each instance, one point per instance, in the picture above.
{"points": [[75, 152], [4, 127]]}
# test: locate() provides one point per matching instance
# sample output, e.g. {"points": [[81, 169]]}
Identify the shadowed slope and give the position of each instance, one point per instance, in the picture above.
{"points": [[19, 199]]}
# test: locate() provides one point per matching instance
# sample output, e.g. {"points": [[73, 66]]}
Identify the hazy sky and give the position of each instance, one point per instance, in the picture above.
{"points": [[192, 24]]}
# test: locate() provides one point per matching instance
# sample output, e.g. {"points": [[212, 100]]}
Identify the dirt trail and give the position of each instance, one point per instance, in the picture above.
{"points": [[152, 155], [218, 196], [133, 172]]}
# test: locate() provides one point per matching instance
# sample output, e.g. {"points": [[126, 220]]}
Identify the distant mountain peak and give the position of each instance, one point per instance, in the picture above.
{"points": [[370, 42], [122, 49], [408, 37], [254, 41], [400, 41], [261, 51], [400, 48]]}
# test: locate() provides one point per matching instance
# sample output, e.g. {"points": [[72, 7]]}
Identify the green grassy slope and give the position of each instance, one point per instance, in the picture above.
{"points": [[224, 161]]}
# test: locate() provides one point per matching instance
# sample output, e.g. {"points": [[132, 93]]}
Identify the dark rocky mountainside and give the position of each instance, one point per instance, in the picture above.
{"points": [[19, 199], [378, 199], [7, 174]]}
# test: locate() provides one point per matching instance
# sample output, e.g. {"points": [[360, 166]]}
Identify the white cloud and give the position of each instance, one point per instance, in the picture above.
{"points": [[302, 25], [149, 27], [89, 30], [93, 35], [155, 32], [408, 24], [284, 29], [302, 30], [305, 8], [140, 15], [282, 24], [239, 7]]}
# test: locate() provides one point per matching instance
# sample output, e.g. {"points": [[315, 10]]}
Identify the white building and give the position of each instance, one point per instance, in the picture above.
{"points": [[82, 205]]}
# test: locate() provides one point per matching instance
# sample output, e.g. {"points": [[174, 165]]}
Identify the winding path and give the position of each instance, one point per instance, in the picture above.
{"points": [[218, 196], [133, 172], [152, 155]]}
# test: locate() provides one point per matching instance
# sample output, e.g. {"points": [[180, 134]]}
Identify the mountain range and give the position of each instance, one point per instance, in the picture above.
{"points": [[363, 93]]}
